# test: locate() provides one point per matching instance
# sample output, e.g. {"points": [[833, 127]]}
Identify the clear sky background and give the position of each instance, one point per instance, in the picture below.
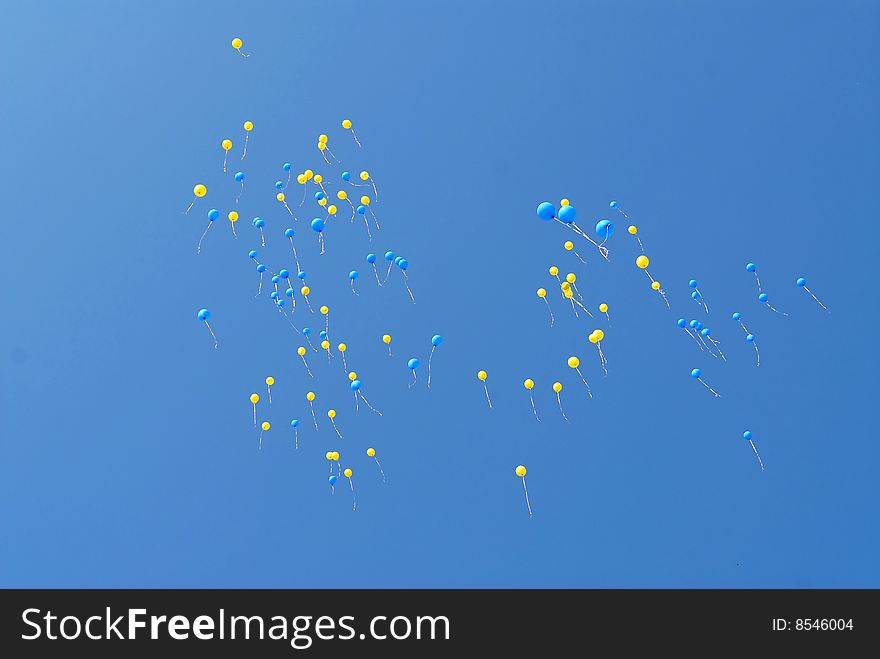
{"points": [[728, 131]]}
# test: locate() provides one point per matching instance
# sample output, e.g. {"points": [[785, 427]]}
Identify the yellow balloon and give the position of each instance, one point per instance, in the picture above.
{"points": [[352, 376], [521, 471], [301, 179], [270, 380], [603, 308], [482, 375], [200, 190], [331, 209], [265, 425], [365, 200], [310, 396], [329, 455], [341, 195], [236, 43], [346, 124], [386, 338], [371, 451], [566, 286], [322, 138], [348, 473], [325, 310], [322, 202], [280, 196], [322, 146], [336, 455], [564, 202], [255, 398], [542, 292], [557, 387], [248, 126], [633, 229], [226, 144], [305, 290], [233, 216], [642, 261], [301, 351], [599, 334], [568, 293], [655, 285], [554, 271], [325, 344], [309, 174], [593, 338], [573, 362], [365, 175], [529, 384], [331, 414], [342, 347], [570, 278], [568, 245]]}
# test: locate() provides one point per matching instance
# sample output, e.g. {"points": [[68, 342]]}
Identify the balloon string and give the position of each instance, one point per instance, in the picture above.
{"points": [[216, 342], [583, 307], [352, 288], [344, 367], [380, 469], [718, 348], [641, 247], [584, 380], [357, 407], [429, 366], [571, 299], [199, 247], [414, 378], [408, 289], [757, 455], [333, 423], [307, 366], [226, 155], [602, 358], [310, 310], [323, 155], [815, 298], [270, 394], [332, 155], [528, 505], [295, 439], [717, 395], [388, 274], [321, 238], [552, 319], [376, 272], [782, 313], [609, 318], [580, 258], [351, 219], [559, 400], [329, 354], [315, 419], [486, 389], [261, 440], [757, 354], [245, 146], [260, 289], [534, 409], [255, 415], [367, 224], [239, 193], [370, 406], [309, 341], [389, 351], [353, 500], [622, 213], [287, 207], [295, 257], [702, 349], [758, 279], [355, 138], [376, 220], [375, 192], [578, 293], [189, 208], [304, 195], [234, 235], [288, 181]]}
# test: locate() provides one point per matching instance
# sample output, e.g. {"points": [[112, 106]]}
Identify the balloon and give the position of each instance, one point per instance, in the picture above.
{"points": [[554, 271], [413, 363], [763, 297], [696, 373], [542, 292], [750, 338], [573, 362], [236, 43], [365, 200], [200, 190], [389, 256], [365, 176], [605, 229], [613, 204], [248, 126], [482, 375], [546, 211], [347, 473], [332, 480], [568, 214], [403, 264], [599, 334], [557, 387], [301, 351], [310, 396], [346, 176], [295, 423], [751, 267], [801, 282], [520, 471], [204, 314], [436, 340], [331, 414], [255, 398], [564, 202], [603, 308], [529, 384], [655, 285], [346, 124], [318, 225], [386, 338], [633, 229], [226, 144], [371, 452], [322, 138], [319, 195], [265, 425], [355, 385], [736, 316], [353, 275], [642, 261]]}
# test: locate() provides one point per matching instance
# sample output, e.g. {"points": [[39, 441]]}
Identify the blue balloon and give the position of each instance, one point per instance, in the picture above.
{"points": [[318, 225], [284, 274], [252, 254], [693, 324], [346, 176], [301, 275], [279, 302], [413, 364], [801, 282], [306, 331], [546, 211], [736, 315], [751, 267], [436, 340], [403, 264], [397, 260], [750, 338], [353, 275], [604, 229], [747, 435], [289, 292], [613, 204], [692, 283], [276, 279], [279, 185], [319, 195], [696, 374], [361, 209], [389, 256], [763, 297], [705, 331], [274, 295], [682, 322], [213, 214], [567, 214], [356, 385], [332, 480], [294, 423], [695, 296], [371, 258], [261, 268], [322, 334], [259, 223], [287, 167], [699, 325], [289, 233], [204, 314], [239, 176]]}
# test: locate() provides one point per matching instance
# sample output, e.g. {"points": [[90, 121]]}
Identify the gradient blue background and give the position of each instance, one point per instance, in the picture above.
{"points": [[728, 131]]}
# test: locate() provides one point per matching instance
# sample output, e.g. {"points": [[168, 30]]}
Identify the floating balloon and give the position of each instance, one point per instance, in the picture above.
{"points": [[751, 267], [348, 474], [236, 43], [403, 264], [436, 340], [332, 479], [331, 414], [255, 398], [566, 216], [634, 231], [325, 344], [310, 396], [248, 127], [521, 472], [306, 332], [301, 351], [529, 384], [604, 229], [482, 376], [227, 146], [342, 348], [364, 207], [569, 247], [259, 223], [557, 387], [747, 435], [204, 315], [318, 227], [199, 190], [283, 199], [287, 167], [763, 297], [371, 259], [603, 308], [269, 382], [706, 333], [542, 293], [389, 256], [346, 124], [239, 178], [617, 207], [325, 311], [683, 324], [295, 425], [263, 428], [697, 375], [595, 338], [574, 364], [412, 364], [642, 263], [213, 214], [802, 283], [386, 339], [365, 176], [356, 387], [371, 452], [696, 296]]}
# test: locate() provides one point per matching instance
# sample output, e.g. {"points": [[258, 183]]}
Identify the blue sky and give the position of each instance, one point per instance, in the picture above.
{"points": [[729, 132]]}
